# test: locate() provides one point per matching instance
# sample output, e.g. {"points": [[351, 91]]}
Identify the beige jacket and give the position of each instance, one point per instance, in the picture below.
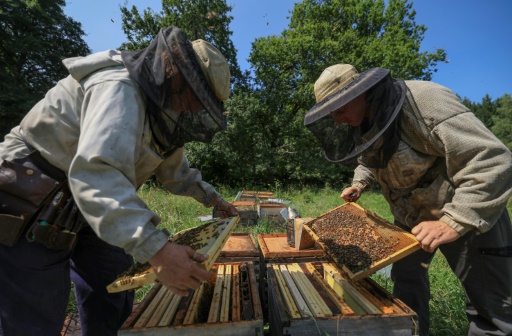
{"points": [[92, 125], [448, 166]]}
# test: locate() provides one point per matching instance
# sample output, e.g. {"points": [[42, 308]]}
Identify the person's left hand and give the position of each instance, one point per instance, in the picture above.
{"points": [[225, 208], [431, 234]]}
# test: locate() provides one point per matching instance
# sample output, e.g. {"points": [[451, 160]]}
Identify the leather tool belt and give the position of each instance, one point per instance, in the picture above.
{"points": [[23, 191], [35, 193]]}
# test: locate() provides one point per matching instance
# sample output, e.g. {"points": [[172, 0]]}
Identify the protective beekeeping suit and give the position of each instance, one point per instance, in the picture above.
{"points": [[446, 177], [71, 170]]}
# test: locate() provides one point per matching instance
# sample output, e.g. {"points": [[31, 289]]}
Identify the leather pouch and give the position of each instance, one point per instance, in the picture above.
{"points": [[11, 228], [23, 190]]}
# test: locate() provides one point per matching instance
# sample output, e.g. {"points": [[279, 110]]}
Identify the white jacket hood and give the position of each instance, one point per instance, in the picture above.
{"points": [[80, 67]]}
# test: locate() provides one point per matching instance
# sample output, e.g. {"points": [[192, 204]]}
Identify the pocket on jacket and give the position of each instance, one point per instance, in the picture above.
{"points": [[407, 167]]}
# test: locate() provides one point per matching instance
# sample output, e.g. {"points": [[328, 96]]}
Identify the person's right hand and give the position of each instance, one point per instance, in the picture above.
{"points": [[225, 208], [351, 194], [176, 267]]}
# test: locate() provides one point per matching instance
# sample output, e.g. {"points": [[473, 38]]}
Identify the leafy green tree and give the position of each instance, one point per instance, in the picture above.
{"points": [[485, 110], [198, 19], [503, 121], [469, 104], [365, 33], [35, 36], [266, 141]]}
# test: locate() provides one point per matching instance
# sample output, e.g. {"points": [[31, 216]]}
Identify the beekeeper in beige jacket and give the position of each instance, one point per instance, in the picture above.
{"points": [[116, 120], [446, 177]]}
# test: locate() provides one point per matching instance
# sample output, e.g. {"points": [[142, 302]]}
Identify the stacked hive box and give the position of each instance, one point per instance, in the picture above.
{"points": [[313, 298], [296, 291], [229, 301], [254, 205], [248, 212], [228, 304], [256, 196], [306, 294], [271, 212]]}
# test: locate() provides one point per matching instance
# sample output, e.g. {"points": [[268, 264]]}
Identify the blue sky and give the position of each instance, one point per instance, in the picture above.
{"points": [[476, 34]]}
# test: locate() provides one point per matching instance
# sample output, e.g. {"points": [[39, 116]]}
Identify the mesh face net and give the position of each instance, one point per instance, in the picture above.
{"points": [[375, 140], [164, 70]]}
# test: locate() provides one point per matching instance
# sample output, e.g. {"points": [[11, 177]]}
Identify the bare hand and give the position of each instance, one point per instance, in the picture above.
{"points": [[351, 194], [177, 269], [431, 234], [225, 208]]}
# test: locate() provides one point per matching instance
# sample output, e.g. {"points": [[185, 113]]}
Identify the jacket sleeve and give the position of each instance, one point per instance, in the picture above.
{"points": [[177, 177], [102, 173], [363, 178], [479, 165]]}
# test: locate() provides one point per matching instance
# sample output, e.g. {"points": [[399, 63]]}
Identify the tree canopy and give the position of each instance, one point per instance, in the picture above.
{"points": [[268, 118], [502, 120], [198, 19], [266, 143], [35, 36]]}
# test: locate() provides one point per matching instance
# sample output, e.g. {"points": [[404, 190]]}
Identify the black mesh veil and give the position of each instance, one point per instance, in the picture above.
{"points": [[376, 139], [162, 70]]}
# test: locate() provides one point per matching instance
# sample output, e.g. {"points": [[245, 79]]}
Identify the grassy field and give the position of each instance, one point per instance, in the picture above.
{"points": [[447, 302]]}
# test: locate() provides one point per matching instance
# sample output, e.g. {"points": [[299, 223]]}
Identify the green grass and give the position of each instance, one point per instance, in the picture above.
{"points": [[447, 303], [447, 300]]}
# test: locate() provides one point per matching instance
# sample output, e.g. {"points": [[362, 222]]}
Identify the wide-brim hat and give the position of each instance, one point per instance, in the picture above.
{"points": [[215, 67], [338, 85], [201, 66]]}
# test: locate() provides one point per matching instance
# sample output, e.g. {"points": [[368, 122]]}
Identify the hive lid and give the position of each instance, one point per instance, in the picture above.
{"points": [[275, 245], [358, 241], [246, 195], [257, 193], [240, 245]]}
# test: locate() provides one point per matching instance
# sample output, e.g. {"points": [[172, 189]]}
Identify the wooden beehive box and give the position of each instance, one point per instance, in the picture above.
{"points": [[241, 247], [271, 212], [238, 247], [359, 241], [256, 196], [313, 298], [228, 304], [247, 211], [274, 246]]}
